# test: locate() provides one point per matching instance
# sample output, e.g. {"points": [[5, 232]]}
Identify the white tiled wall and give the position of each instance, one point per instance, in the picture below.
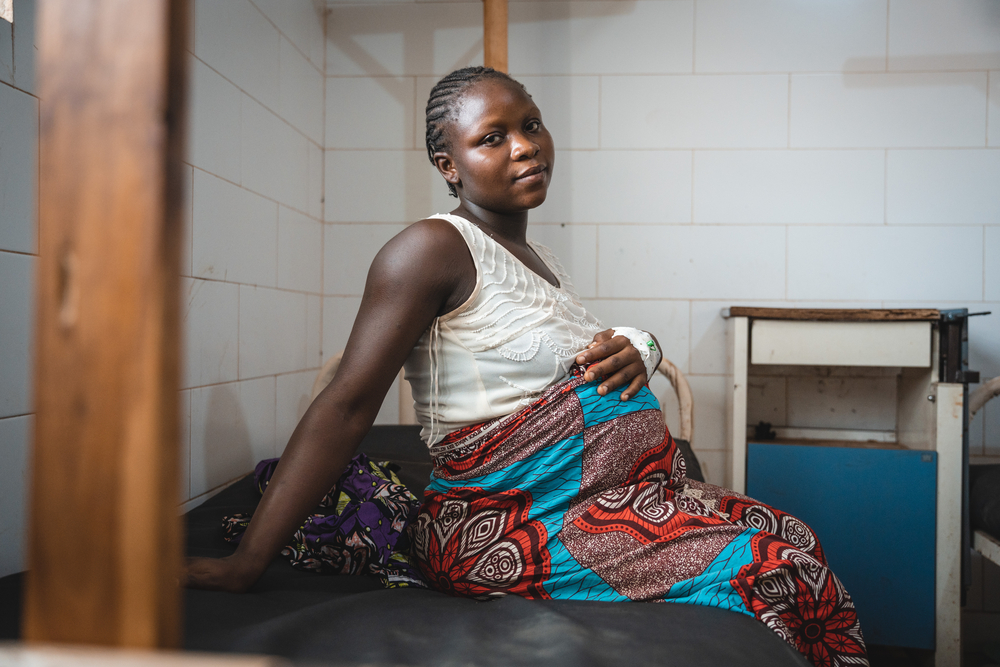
{"points": [[18, 261], [710, 153], [253, 299]]}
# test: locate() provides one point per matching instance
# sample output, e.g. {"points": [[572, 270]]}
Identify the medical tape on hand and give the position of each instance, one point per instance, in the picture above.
{"points": [[643, 342]]}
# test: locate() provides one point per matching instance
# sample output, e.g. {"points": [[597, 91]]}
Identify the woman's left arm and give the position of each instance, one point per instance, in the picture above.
{"points": [[615, 359]]}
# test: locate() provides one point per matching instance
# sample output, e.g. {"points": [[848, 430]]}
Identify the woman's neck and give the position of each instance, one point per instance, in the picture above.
{"points": [[511, 227]]}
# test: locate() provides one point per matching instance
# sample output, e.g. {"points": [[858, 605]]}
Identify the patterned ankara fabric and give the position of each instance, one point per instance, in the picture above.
{"points": [[360, 527], [584, 497]]}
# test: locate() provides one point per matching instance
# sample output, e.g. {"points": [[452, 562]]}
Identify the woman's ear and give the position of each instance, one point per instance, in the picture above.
{"points": [[447, 167]]}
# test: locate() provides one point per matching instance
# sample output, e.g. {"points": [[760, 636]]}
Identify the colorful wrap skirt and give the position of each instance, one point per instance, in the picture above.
{"points": [[584, 497]]}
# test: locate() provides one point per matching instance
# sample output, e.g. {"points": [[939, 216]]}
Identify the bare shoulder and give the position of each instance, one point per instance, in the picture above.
{"points": [[429, 256]]}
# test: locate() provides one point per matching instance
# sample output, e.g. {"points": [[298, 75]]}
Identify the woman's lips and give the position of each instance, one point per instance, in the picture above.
{"points": [[532, 175]]}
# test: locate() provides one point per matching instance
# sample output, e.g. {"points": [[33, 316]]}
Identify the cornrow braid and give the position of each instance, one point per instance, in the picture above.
{"points": [[442, 105]]}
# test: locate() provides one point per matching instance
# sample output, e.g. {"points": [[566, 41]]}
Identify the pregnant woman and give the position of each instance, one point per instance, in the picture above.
{"points": [[554, 473]]}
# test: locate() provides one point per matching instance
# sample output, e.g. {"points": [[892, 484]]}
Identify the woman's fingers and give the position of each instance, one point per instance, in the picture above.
{"points": [[627, 377], [604, 349]]}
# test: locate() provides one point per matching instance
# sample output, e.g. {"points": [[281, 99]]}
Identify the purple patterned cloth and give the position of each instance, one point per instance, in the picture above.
{"points": [[360, 526]]}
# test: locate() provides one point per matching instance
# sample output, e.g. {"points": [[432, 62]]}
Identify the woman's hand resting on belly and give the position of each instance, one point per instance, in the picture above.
{"points": [[615, 360]]}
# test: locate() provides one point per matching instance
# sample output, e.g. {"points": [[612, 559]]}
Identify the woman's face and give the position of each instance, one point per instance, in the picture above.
{"points": [[500, 156]]}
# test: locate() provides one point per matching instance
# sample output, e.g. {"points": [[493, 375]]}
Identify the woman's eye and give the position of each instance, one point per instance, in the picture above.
{"points": [[492, 139], [534, 125]]}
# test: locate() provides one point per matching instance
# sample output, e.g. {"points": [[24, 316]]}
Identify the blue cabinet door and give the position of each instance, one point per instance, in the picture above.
{"points": [[874, 512]]}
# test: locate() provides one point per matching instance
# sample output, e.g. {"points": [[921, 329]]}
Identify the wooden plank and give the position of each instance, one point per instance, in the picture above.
{"points": [[495, 34], [948, 630], [738, 403], [104, 543], [88, 656], [811, 343], [839, 314]]}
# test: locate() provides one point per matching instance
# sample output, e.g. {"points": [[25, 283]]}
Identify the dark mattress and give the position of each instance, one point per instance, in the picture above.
{"points": [[318, 619]]}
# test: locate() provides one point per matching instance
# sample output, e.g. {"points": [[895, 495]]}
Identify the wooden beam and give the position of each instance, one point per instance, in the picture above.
{"points": [[495, 34], [839, 314], [104, 544]]}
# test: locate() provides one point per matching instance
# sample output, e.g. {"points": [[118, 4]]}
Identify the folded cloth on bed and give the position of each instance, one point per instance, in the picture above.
{"points": [[360, 526], [582, 496]]}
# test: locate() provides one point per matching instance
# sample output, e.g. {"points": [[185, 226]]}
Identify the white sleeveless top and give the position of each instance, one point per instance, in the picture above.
{"points": [[514, 337]]}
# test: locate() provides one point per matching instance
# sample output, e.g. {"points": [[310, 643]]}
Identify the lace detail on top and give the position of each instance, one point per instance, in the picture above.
{"points": [[516, 335]]}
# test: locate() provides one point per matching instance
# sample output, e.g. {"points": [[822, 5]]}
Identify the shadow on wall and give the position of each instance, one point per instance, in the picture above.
{"points": [[227, 450], [857, 71]]}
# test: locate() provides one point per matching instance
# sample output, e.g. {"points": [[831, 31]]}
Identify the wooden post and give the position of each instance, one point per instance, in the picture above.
{"points": [[495, 34], [104, 544]]}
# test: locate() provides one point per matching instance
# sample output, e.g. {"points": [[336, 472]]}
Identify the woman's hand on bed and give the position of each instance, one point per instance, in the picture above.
{"points": [[616, 361], [218, 574]]}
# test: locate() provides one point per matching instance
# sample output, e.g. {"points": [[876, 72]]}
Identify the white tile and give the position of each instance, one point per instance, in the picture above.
{"points": [[576, 248], [24, 45], [921, 110], [927, 35], [15, 445], [315, 185], [314, 331], [884, 263], [235, 38], [338, 319], [719, 111], [301, 21], [293, 393], [569, 106], [403, 39], [943, 187], [214, 111], [301, 87], [588, 37], [235, 232], [842, 402], [348, 253], [685, 262], [6, 52], [791, 187], [232, 428], [991, 257], [709, 395], [666, 320], [993, 122], [300, 251], [370, 112], [790, 36], [211, 328], [404, 179], [613, 186], [184, 409], [18, 170], [17, 274], [272, 332], [275, 156]]}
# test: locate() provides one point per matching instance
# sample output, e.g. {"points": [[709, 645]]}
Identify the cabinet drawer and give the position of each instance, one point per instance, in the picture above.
{"points": [[905, 344]]}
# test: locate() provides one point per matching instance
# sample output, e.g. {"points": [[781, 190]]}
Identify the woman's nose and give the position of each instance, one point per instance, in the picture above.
{"points": [[523, 147]]}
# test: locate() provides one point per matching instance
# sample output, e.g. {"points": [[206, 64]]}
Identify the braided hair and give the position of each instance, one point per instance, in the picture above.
{"points": [[442, 105]]}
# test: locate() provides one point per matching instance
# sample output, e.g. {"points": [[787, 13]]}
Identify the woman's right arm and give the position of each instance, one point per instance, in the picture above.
{"points": [[424, 271]]}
